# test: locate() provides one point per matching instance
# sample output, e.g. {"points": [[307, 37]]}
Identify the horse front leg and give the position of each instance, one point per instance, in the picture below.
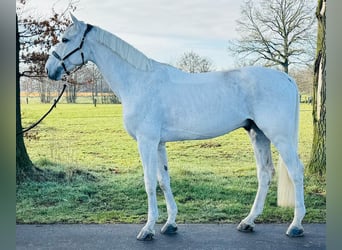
{"points": [[170, 226], [148, 150]]}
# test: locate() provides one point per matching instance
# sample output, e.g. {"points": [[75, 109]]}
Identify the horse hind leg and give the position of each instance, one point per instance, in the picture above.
{"points": [[265, 171], [295, 171]]}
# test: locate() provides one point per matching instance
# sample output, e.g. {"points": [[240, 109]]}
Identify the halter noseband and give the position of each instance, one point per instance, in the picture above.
{"points": [[54, 53]]}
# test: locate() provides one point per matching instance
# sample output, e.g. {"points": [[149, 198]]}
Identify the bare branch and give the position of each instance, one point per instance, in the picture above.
{"points": [[275, 32]]}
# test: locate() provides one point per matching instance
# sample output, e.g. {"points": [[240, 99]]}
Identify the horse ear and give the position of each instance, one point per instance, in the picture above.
{"points": [[73, 18]]}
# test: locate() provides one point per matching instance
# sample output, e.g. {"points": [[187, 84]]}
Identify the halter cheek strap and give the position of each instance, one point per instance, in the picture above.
{"points": [[54, 53]]}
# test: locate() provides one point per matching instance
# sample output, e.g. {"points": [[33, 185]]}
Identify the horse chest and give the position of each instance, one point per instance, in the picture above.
{"points": [[142, 119]]}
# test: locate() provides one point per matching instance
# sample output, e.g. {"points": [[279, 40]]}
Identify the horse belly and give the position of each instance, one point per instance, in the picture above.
{"points": [[195, 122]]}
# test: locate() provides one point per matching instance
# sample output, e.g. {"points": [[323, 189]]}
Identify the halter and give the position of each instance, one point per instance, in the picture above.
{"points": [[54, 53]]}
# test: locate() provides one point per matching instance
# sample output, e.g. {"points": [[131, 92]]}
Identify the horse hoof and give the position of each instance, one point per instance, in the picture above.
{"points": [[169, 229], [246, 228], [145, 235], [295, 232]]}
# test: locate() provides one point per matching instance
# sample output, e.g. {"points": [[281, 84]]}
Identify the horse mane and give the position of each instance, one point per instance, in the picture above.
{"points": [[126, 51]]}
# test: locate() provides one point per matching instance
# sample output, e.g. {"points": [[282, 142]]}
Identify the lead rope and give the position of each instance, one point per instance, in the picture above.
{"points": [[46, 114]]}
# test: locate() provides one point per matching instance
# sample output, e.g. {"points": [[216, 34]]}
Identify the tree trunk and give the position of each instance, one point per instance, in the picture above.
{"points": [[317, 162], [24, 166]]}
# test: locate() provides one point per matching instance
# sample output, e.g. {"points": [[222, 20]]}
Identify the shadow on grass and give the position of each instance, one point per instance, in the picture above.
{"points": [[49, 171]]}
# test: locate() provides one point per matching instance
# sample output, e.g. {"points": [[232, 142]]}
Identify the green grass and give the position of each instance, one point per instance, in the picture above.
{"points": [[94, 174]]}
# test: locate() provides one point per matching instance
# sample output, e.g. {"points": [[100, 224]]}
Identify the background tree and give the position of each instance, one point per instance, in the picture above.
{"points": [[303, 77], [194, 63], [275, 32], [317, 163]]}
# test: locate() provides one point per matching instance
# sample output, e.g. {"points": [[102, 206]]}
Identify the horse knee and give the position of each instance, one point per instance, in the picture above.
{"points": [[163, 186], [264, 179], [164, 179], [150, 189]]}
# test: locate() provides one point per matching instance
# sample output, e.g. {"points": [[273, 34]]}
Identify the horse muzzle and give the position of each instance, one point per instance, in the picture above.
{"points": [[54, 74]]}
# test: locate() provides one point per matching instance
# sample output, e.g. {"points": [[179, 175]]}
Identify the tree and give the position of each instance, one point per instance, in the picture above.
{"points": [[275, 32], [303, 77], [194, 63], [317, 162], [34, 38], [37, 36], [24, 166]]}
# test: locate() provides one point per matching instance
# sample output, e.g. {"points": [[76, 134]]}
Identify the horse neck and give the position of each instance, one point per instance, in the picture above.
{"points": [[119, 74]]}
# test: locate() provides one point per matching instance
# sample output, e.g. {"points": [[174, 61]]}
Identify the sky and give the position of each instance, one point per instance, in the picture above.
{"points": [[162, 29]]}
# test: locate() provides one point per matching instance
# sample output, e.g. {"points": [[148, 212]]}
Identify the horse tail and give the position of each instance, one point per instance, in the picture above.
{"points": [[285, 192]]}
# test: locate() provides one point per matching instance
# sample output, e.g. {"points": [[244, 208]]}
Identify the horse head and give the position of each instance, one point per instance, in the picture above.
{"points": [[70, 52]]}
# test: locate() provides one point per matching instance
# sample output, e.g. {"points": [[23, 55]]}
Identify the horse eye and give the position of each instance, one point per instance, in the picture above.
{"points": [[65, 40]]}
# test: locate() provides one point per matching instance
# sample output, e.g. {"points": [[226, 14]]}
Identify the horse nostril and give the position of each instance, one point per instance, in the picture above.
{"points": [[47, 71]]}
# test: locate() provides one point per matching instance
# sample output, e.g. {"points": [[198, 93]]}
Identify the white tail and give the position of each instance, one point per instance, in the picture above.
{"points": [[286, 195]]}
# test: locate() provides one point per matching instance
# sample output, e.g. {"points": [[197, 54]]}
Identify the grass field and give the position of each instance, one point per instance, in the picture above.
{"points": [[94, 174]]}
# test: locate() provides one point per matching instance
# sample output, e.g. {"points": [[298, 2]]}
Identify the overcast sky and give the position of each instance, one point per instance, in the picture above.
{"points": [[163, 29]]}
